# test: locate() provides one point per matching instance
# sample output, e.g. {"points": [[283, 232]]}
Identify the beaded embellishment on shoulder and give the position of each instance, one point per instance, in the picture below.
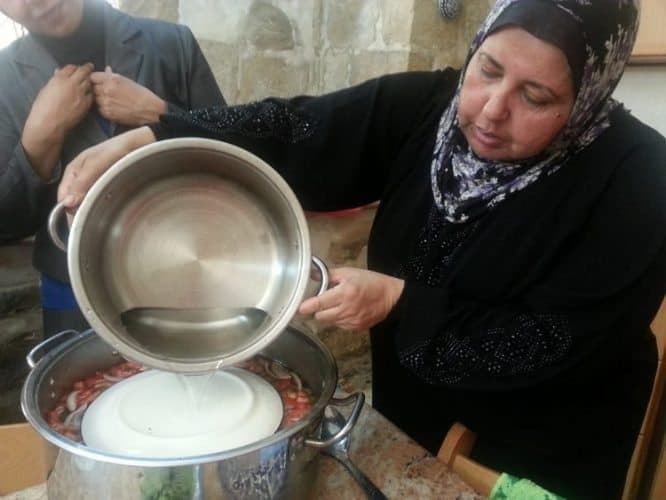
{"points": [[269, 118]]}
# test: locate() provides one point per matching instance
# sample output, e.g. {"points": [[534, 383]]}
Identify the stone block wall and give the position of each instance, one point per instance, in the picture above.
{"points": [[260, 48]]}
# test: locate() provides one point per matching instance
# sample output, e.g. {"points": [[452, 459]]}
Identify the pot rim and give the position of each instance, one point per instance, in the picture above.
{"points": [[32, 413], [277, 323]]}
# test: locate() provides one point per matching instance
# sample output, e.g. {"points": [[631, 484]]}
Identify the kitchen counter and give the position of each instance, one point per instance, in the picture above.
{"points": [[391, 460], [395, 463]]}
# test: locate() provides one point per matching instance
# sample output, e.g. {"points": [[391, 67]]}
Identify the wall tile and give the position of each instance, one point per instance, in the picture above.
{"points": [[370, 64], [223, 60], [268, 28], [335, 70], [397, 17], [351, 23], [264, 75], [166, 10], [218, 20]]}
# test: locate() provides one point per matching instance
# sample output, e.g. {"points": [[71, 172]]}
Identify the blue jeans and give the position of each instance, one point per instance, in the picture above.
{"points": [[60, 310]]}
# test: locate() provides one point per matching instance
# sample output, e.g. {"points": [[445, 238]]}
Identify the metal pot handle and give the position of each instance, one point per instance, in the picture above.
{"points": [[359, 399], [52, 226], [45, 346], [323, 274]]}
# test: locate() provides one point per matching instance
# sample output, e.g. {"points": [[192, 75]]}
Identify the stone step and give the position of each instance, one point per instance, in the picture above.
{"points": [[19, 282], [15, 325]]}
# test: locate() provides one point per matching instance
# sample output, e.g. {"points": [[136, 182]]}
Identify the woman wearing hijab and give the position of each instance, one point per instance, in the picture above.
{"points": [[83, 73], [518, 252]]}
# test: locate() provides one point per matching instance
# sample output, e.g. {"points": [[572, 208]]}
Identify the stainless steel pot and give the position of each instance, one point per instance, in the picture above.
{"points": [[281, 466], [189, 223]]}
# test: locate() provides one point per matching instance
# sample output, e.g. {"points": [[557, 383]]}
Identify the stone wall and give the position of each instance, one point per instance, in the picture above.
{"points": [[20, 324], [260, 48]]}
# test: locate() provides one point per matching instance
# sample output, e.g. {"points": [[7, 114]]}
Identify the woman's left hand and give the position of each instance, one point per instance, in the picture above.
{"points": [[358, 299], [82, 172]]}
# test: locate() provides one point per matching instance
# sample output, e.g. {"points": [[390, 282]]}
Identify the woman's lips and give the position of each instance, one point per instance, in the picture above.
{"points": [[486, 139]]}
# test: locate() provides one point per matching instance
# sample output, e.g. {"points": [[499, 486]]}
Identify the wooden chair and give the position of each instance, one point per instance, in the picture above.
{"points": [[455, 451], [647, 473], [650, 446]]}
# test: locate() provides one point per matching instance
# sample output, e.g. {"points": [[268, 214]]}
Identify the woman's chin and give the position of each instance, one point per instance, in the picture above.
{"points": [[490, 154]]}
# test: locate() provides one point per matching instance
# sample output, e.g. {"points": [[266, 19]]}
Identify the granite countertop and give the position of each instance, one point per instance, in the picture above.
{"points": [[395, 463]]}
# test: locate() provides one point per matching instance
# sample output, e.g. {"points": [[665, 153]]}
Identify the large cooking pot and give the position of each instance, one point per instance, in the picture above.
{"points": [[189, 223], [283, 465]]}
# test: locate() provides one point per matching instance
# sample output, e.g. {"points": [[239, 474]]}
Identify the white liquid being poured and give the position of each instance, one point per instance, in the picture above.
{"points": [[197, 387], [162, 415], [179, 405]]}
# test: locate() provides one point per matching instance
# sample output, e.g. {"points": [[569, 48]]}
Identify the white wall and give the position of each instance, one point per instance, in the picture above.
{"points": [[9, 31], [643, 91]]}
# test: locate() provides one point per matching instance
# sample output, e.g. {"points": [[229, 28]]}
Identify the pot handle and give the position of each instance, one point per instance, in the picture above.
{"points": [[45, 346], [52, 226], [323, 274], [359, 398]]}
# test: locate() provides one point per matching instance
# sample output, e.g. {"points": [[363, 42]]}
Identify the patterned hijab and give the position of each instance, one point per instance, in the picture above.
{"points": [[464, 185]]}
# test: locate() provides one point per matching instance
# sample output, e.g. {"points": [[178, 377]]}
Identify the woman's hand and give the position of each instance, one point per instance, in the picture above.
{"points": [[121, 100], [90, 164], [358, 300], [64, 100], [59, 106]]}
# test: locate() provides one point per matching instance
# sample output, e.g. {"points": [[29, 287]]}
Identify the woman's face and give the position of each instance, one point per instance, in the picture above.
{"points": [[516, 96], [55, 18]]}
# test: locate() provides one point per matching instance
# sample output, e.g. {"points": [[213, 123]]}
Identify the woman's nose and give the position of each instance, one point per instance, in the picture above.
{"points": [[496, 107]]}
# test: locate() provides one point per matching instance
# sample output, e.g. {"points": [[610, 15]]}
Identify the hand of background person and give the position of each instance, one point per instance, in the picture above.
{"points": [[89, 165], [358, 299], [59, 106], [123, 101], [64, 100]]}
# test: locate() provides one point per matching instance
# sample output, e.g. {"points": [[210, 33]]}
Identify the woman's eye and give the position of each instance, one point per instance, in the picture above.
{"points": [[488, 72], [535, 101]]}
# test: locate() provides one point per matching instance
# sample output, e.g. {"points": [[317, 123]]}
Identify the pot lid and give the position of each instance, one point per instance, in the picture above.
{"points": [[157, 414]]}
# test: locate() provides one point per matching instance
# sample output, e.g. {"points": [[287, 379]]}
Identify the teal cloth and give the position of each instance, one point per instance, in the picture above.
{"points": [[509, 487]]}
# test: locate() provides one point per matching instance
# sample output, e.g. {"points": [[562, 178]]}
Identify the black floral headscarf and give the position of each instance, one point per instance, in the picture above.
{"points": [[464, 185]]}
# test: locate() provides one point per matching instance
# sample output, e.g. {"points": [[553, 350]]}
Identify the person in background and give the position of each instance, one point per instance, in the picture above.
{"points": [[518, 254], [83, 72]]}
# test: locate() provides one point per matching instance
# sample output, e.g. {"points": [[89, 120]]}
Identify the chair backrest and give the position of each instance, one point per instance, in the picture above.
{"points": [[459, 441], [643, 483]]}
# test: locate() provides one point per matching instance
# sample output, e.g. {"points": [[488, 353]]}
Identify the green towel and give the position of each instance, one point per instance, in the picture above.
{"points": [[508, 487]]}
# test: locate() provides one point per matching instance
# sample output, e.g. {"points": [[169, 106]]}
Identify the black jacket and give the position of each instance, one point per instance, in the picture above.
{"points": [[161, 56]]}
